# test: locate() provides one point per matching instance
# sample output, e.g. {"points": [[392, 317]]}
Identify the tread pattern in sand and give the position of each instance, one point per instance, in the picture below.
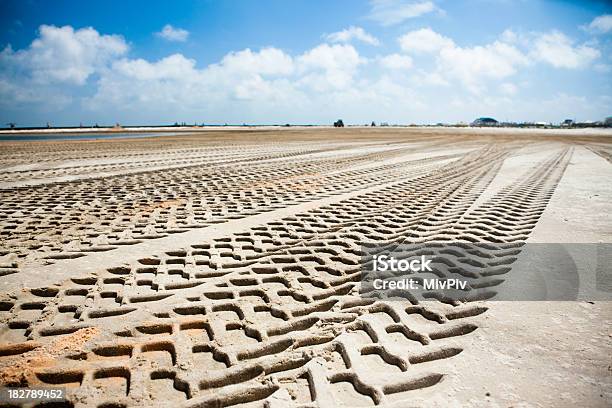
{"points": [[271, 315]]}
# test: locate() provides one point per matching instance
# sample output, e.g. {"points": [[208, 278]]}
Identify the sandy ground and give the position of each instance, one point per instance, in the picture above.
{"points": [[220, 268]]}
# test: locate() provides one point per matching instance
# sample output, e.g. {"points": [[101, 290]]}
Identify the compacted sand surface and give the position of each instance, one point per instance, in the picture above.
{"points": [[221, 268]]}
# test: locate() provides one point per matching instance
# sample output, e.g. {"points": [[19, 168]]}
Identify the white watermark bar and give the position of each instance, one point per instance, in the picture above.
{"points": [[463, 271]]}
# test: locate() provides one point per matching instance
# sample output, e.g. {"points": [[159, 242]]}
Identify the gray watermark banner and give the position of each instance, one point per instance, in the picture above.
{"points": [[459, 272]]}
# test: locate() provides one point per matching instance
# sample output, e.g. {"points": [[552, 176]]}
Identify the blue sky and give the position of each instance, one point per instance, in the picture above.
{"points": [[147, 62]]}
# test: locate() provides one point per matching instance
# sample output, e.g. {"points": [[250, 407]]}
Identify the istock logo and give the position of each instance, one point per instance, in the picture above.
{"points": [[384, 263]]}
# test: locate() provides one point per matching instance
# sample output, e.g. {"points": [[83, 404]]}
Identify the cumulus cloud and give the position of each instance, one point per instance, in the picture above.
{"points": [[268, 61], [600, 24], [558, 50], [331, 57], [174, 67], [175, 79], [396, 62], [391, 12], [348, 34], [329, 67], [471, 66], [427, 78], [61, 54], [424, 40], [241, 81], [509, 36], [248, 84], [171, 33], [86, 72]]}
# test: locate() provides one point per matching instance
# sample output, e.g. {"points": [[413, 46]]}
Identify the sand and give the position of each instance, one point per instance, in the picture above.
{"points": [[220, 268]]}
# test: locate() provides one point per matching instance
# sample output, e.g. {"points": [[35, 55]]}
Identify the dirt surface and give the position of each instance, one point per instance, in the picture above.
{"points": [[221, 268], [20, 369]]}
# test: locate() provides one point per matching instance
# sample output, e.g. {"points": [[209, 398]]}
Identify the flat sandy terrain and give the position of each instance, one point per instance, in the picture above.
{"points": [[221, 268]]}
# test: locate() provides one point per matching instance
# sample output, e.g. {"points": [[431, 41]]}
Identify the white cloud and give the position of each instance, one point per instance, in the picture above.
{"points": [[428, 78], [396, 61], [557, 49], [509, 36], [175, 66], [472, 65], [255, 80], [254, 88], [329, 67], [268, 61], [600, 24], [424, 40], [175, 80], [391, 12], [508, 88], [324, 79], [351, 33], [323, 83], [171, 33], [61, 54], [331, 57]]}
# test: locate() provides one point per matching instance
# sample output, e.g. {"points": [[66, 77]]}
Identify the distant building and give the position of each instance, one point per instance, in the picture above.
{"points": [[485, 122], [608, 122], [567, 123]]}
